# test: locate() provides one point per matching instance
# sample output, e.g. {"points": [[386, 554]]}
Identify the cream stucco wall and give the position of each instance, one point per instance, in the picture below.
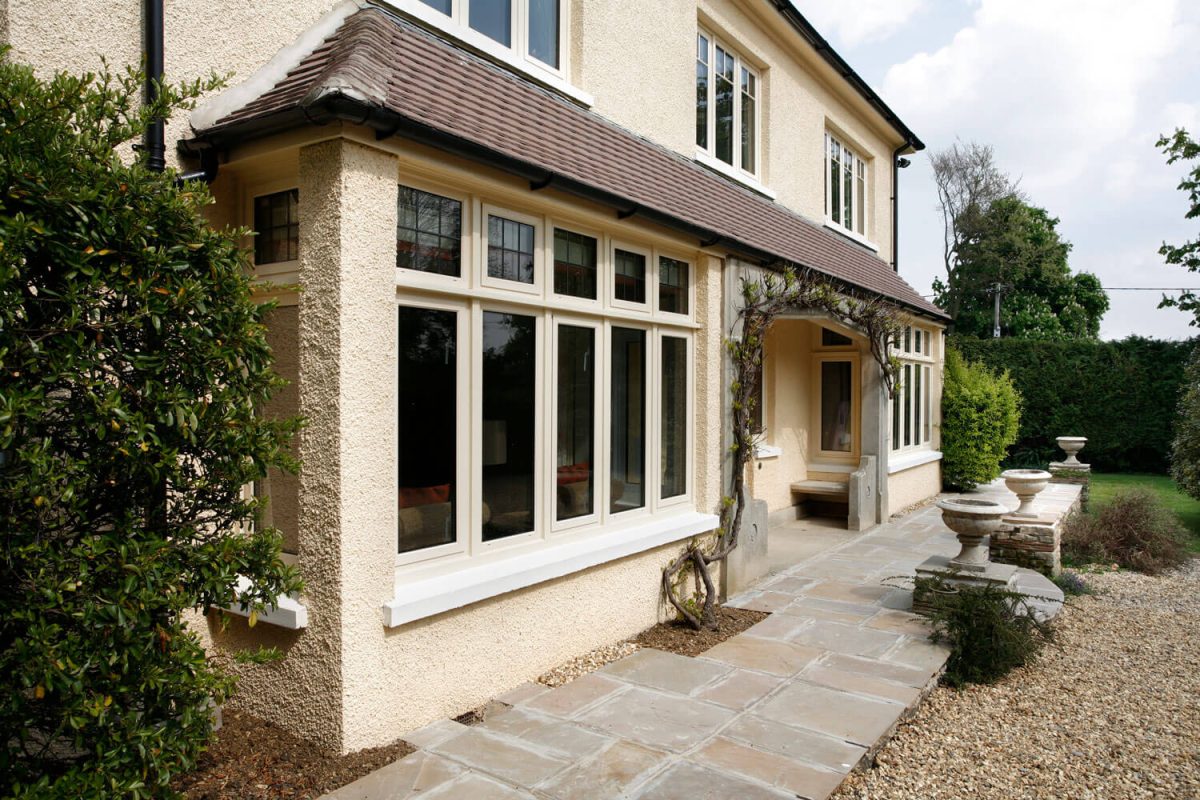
{"points": [[911, 486]]}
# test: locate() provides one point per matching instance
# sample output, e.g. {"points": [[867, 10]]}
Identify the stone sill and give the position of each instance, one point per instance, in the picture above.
{"points": [[417, 597], [290, 613], [909, 460]]}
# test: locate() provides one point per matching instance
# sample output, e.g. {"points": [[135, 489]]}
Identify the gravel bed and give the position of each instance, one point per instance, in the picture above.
{"points": [[1112, 712], [588, 662]]}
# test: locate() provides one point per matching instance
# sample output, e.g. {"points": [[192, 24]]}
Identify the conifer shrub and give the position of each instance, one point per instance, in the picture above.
{"points": [[1135, 530], [980, 418], [133, 360]]}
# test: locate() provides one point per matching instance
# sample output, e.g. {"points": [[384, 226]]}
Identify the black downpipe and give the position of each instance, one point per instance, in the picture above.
{"points": [[153, 40], [896, 159]]}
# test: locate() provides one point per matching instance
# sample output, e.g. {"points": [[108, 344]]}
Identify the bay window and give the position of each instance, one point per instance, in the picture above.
{"points": [[727, 92], [845, 187], [528, 409]]}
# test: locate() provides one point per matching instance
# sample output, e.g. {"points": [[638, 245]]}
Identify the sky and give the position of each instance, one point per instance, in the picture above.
{"points": [[1073, 95]]}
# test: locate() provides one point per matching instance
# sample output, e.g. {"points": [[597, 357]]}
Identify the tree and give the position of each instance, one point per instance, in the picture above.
{"points": [[133, 361], [1017, 245], [1181, 147], [968, 182], [981, 416]]}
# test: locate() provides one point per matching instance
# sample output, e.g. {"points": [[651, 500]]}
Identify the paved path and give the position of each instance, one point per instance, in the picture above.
{"points": [[783, 710]]}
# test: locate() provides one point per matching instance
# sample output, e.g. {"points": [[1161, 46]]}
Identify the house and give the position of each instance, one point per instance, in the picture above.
{"points": [[506, 239]]}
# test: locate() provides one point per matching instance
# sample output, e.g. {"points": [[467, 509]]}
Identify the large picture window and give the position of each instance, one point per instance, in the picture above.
{"points": [[845, 187], [727, 104]]}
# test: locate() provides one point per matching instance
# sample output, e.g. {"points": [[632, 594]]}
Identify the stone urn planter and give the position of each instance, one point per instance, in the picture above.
{"points": [[1025, 484], [972, 521], [1071, 445]]}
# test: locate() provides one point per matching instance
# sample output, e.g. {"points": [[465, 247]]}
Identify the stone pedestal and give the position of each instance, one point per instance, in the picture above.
{"points": [[1002, 576], [1031, 542], [748, 562]]}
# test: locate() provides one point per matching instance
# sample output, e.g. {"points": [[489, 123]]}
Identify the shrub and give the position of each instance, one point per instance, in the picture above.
{"points": [[1185, 449], [1135, 529], [1122, 395], [1072, 583], [133, 359], [980, 415], [990, 630]]}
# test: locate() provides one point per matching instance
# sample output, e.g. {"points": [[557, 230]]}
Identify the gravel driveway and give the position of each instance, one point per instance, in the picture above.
{"points": [[1112, 713]]}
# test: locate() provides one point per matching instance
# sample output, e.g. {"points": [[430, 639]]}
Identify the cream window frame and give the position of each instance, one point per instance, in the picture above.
{"points": [[538, 287], [905, 350], [649, 425], [649, 305], [853, 358], [464, 485], [599, 450], [418, 279], [516, 53], [275, 270], [861, 174], [659, 254], [708, 154], [569, 301], [690, 414]]}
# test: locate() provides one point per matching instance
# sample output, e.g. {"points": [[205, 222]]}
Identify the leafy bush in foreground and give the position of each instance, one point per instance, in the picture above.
{"points": [[1135, 529], [990, 631], [980, 416], [132, 362]]}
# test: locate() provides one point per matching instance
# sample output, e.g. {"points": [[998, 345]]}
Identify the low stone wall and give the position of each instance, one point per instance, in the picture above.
{"points": [[1075, 475], [1035, 543]]}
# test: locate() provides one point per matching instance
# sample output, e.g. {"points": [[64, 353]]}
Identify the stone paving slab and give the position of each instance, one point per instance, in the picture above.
{"points": [[784, 709]]}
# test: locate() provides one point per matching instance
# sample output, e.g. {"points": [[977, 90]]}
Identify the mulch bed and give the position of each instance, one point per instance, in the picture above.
{"points": [[251, 759], [681, 638]]}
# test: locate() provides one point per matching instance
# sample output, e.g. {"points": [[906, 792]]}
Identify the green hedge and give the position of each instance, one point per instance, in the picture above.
{"points": [[1121, 395], [980, 416]]}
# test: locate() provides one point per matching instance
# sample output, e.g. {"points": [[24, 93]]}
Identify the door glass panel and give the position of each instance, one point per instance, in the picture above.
{"points": [[836, 411], [574, 483], [543, 31], [509, 373], [492, 18], [427, 428], [674, 416], [628, 456]]}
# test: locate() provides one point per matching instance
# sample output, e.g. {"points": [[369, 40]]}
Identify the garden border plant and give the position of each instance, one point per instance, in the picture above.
{"points": [[133, 365], [763, 301]]}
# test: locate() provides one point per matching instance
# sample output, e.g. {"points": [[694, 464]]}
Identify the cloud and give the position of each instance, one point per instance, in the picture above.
{"points": [[854, 22]]}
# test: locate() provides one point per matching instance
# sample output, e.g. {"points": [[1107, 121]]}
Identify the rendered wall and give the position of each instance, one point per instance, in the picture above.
{"points": [[911, 486]]}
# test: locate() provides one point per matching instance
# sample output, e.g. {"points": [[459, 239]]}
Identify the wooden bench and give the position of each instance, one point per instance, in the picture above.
{"points": [[821, 498], [826, 490]]}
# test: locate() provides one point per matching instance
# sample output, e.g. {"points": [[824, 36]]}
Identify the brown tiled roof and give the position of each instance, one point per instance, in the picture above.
{"points": [[384, 63]]}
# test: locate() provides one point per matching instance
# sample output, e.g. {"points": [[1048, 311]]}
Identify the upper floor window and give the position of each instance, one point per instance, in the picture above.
{"points": [[532, 28], [727, 90], [845, 187], [276, 227]]}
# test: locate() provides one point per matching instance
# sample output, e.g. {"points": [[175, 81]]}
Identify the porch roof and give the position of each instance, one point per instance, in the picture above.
{"points": [[379, 70]]}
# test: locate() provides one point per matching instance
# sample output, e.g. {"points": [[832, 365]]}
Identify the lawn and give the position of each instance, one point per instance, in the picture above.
{"points": [[1105, 486]]}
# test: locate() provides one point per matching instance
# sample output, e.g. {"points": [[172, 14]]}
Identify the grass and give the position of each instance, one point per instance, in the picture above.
{"points": [[1106, 486]]}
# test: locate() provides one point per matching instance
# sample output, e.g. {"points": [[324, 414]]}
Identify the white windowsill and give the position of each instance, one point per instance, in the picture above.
{"points": [[762, 451], [747, 180], [289, 613], [417, 597], [909, 460], [494, 50], [849, 234]]}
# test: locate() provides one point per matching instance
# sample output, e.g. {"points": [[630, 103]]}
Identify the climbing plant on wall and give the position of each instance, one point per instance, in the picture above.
{"points": [[763, 300]]}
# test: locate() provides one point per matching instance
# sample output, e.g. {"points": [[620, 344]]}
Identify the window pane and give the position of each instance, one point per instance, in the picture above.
{"points": [[672, 285], [836, 413], [575, 486], [510, 250], [276, 227], [493, 18], [908, 340], [749, 131], [847, 189], [574, 264], [702, 79], [835, 182], [628, 419], [860, 196], [509, 360], [724, 101], [896, 420], [908, 392], [428, 232], [427, 428], [440, 5], [833, 339], [674, 416], [543, 31], [630, 271], [917, 405], [926, 434]]}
